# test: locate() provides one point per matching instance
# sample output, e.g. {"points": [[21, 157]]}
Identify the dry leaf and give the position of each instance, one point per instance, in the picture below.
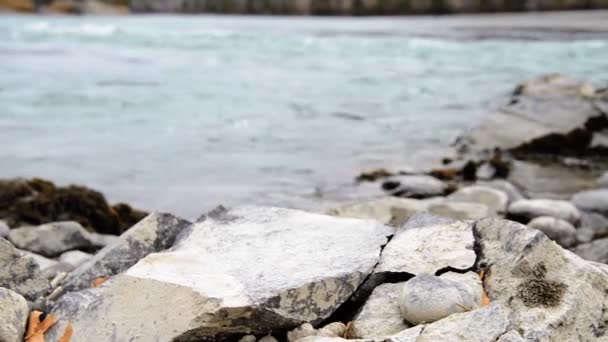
{"points": [[67, 334], [36, 329], [98, 281], [33, 322], [485, 300]]}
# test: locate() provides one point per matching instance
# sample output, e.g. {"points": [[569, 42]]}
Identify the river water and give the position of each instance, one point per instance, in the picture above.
{"points": [[181, 113]]}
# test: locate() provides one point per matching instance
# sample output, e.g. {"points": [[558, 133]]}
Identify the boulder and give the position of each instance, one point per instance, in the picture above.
{"points": [[14, 312], [240, 271], [74, 258], [20, 273], [380, 316], [528, 209], [428, 298], [51, 239], [553, 114], [4, 229], [592, 200], [155, 233], [414, 186], [495, 200], [557, 230], [595, 251], [428, 249]]}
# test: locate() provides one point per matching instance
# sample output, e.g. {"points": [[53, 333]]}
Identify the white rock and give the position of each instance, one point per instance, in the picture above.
{"points": [[380, 209], [51, 239], [246, 270], [102, 240], [460, 210], [427, 249], [557, 230], [302, 331], [513, 193], [248, 338], [595, 251], [427, 298], [532, 208], [335, 329], [598, 223], [592, 200], [4, 229], [584, 235], [495, 200], [380, 316], [268, 338], [74, 258], [14, 312], [42, 262]]}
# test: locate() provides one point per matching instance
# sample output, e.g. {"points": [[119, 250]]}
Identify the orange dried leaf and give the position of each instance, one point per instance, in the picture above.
{"points": [[33, 322], [46, 324], [67, 334], [98, 281], [485, 300]]}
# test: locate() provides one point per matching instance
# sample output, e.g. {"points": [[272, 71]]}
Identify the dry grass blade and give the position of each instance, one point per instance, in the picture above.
{"points": [[67, 334]]}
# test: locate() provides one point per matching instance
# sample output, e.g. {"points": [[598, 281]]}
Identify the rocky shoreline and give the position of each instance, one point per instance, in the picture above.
{"points": [[476, 250]]}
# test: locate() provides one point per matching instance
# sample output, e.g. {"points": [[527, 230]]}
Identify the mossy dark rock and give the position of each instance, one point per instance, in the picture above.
{"points": [[38, 201]]}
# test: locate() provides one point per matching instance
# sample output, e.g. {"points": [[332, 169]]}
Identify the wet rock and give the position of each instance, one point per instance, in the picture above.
{"points": [[380, 316], [414, 186], [14, 312], [428, 298], [427, 249], [495, 200], [37, 201], [595, 251], [4, 229], [51, 239], [155, 233], [531, 208], [552, 294], [513, 193], [20, 273], [592, 200], [557, 230], [74, 258], [245, 270]]}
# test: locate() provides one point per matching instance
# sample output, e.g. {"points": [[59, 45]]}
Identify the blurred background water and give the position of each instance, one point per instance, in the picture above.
{"points": [[180, 114]]}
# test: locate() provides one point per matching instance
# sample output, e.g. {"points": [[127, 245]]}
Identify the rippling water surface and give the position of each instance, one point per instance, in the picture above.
{"points": [[182, 113]]}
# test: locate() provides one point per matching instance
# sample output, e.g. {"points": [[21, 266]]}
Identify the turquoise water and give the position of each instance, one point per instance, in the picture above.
{"points": [[182, 113]]}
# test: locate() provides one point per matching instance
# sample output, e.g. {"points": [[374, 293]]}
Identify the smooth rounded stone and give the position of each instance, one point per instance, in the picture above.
{"points": [[532, 208], [460, 210], [248, 338], [513, 193], [584, 235], [247, 270], [596, 250], [425, 219], [495, 200], [557, 230], [598, 223], [428, 298], [381, 209], [154, 233], [60, 267], [427, 249], [602, 181], [51, 239], [268, 338], [14, 313], [20, 273], [4, 229], [414, 186], [42, 262], [335, 329], [380, 315], [74, 258], [302, 331], [592, 200]]}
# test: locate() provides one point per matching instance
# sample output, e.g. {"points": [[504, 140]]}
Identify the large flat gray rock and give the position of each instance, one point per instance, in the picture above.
{"points": [[20, 273], [240, 271], [156, 232]]}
